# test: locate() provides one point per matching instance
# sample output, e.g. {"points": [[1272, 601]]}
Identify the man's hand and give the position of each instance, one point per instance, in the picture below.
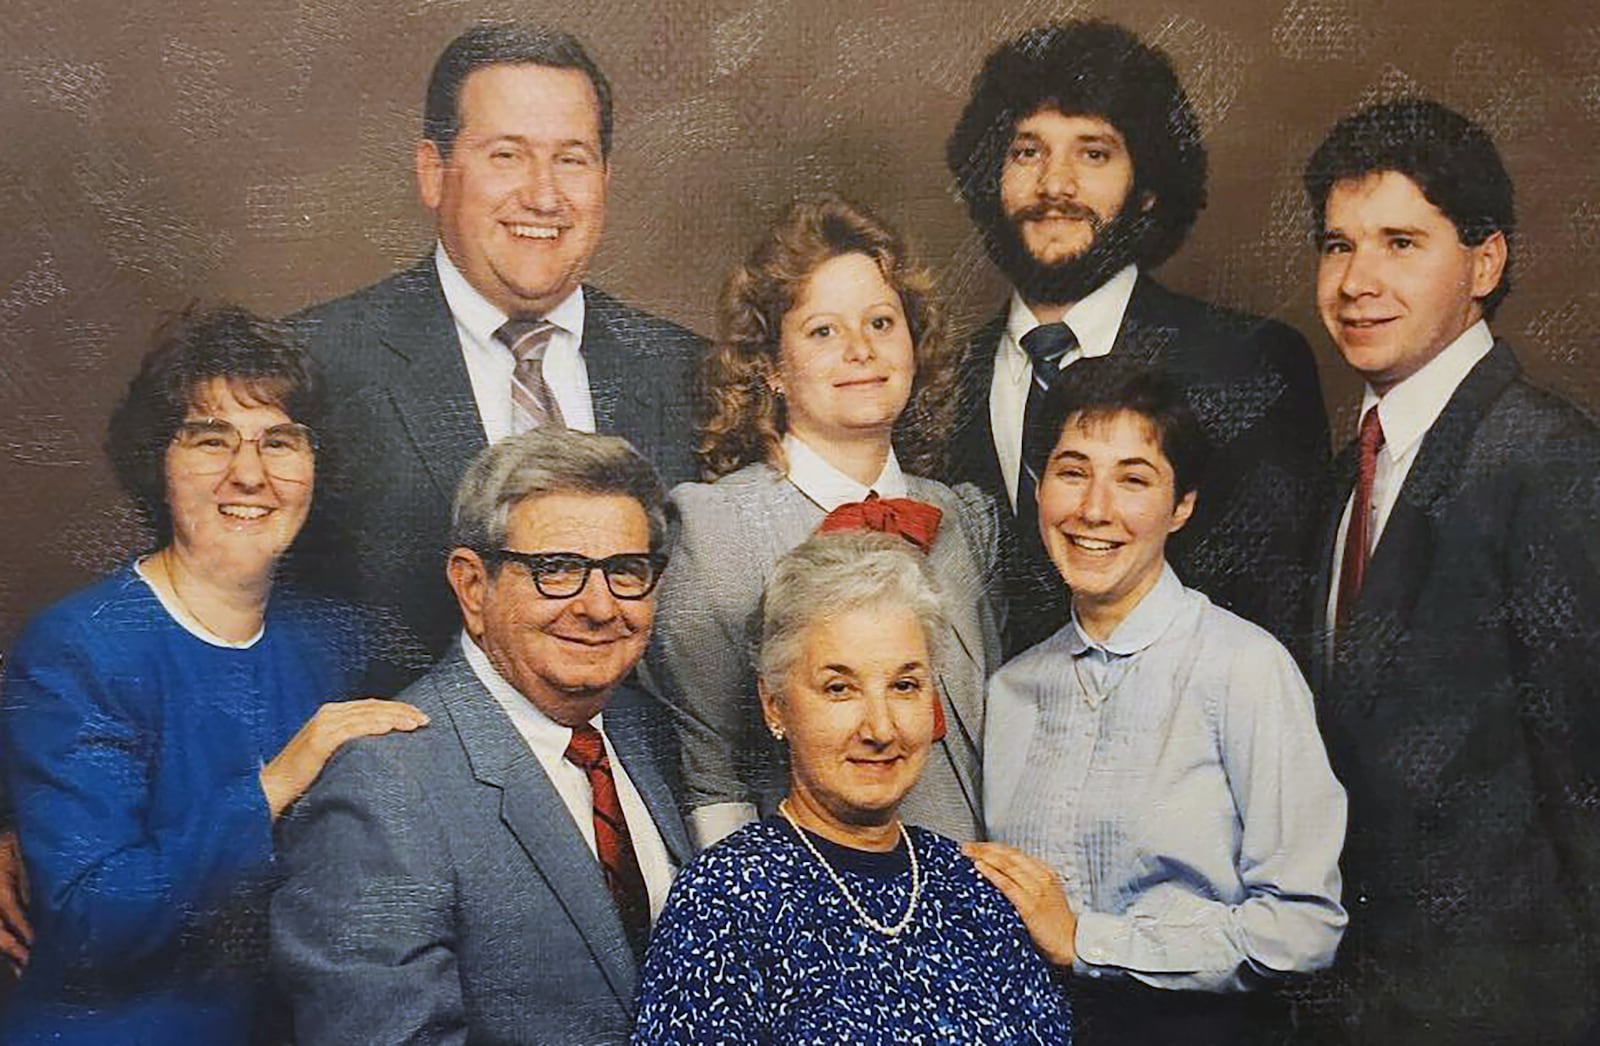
{"points": [[1035, 891], [293, 770], [16, 936]]}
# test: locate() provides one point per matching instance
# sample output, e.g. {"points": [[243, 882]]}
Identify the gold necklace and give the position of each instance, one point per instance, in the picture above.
{"points": [[861, 913], [183, 604]]}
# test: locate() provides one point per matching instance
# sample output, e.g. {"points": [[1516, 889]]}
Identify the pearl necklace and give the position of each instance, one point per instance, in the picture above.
{"points": [[838, 880]]}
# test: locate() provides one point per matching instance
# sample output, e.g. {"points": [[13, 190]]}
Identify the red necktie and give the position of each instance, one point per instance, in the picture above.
{"points": [[612, 843], [916, 521], [1358, 535]]}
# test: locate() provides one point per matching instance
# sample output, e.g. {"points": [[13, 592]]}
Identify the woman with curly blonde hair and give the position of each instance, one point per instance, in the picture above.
{"points": [[830, 370]]}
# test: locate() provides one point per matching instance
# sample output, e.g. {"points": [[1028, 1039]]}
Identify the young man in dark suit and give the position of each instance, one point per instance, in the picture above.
{"points": [[492, 333], [1080, 160], [1458, 609]]}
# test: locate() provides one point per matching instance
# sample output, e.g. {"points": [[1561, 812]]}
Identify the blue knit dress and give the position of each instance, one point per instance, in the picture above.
{"points": [[757, 945]]}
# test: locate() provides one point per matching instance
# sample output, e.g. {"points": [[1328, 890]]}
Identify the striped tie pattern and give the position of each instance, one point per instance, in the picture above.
{"points": [[612, 843], [1046, 345], [532, 403]]}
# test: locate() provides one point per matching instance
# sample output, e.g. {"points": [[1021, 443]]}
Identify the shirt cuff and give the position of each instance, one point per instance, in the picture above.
{"points": [[1096, 943]]}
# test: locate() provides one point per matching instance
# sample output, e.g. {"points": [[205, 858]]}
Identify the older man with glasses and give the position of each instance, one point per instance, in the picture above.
{"points": [[498, 881]]}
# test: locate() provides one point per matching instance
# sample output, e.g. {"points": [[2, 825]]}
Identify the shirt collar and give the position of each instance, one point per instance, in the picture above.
{"points": [[1410, 408], [1144, 623], [829, 487], [542, 733], [1095, 319], [482, 317]]}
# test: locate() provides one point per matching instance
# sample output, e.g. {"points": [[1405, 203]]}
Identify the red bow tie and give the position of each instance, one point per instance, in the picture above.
{"points": [[916, 521]]}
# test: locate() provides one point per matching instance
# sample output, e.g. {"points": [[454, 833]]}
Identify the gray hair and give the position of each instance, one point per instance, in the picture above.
{"points": [[831, 574], [550, 460]]}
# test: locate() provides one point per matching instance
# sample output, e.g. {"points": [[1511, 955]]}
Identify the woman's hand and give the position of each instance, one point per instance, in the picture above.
{"points": [[1035, 891], [292, 770], [16, 936]]}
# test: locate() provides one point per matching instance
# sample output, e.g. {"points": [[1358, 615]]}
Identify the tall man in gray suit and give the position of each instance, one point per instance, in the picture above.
{"points": [[494, 880], [491, 333]]}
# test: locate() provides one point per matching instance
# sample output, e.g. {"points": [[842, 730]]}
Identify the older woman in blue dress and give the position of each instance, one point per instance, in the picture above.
{"points": [[831, 366], [832, 921], [1158, 753], [156, 723]]}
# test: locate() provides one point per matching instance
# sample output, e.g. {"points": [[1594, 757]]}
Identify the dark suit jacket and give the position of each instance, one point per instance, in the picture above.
{"points": [[1461, 709], [437, 889], [403, 425], [1253, 384]]}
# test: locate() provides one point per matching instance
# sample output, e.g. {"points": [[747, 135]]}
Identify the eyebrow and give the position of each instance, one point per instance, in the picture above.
{"points": [[1127, 462], [1413, 231]]}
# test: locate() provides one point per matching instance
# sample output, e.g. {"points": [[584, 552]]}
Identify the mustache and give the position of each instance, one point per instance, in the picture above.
{"points": [[1065, 209]]}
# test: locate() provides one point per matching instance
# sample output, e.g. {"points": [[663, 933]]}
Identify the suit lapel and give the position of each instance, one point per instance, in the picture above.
{"points": [[431, 393], [628, 725], [979, 464], [537, 817], [1403, 559], [1146, 334]]}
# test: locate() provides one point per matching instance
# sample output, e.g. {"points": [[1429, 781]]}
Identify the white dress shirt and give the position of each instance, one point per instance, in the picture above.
{"points": [[490, 363], [829, 487], [548, 740], [1406, 412], [1095, 320]]}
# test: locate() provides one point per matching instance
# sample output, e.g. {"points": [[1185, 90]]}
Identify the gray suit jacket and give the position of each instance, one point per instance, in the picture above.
{"points": [[726, 538], [403, 425], [438, 891]]}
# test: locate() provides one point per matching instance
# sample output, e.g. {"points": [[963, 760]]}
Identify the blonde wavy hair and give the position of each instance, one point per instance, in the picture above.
{"points": [[741, 419]]}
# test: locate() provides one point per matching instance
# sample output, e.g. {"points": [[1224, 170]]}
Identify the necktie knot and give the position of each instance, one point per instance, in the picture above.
{"points": [[916, 521], [533, 403], [1371, 436], [1047, 345], [525, 338], [587, 749]]}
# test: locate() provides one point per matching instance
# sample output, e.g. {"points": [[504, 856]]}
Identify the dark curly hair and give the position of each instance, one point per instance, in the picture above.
{"points": [[1086, 68], [257, 359], [742, 419], [1451, 159]]}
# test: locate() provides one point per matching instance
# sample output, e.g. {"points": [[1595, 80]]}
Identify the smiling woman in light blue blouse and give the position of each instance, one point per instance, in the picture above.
{"points": [[1158, 755]]}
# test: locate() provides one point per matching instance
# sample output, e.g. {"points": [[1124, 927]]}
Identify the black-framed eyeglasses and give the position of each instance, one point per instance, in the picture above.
{"points": [[562, 575]]}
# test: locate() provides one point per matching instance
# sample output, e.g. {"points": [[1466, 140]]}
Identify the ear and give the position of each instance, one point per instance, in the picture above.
{"points": [[430, 174], [469, 580], [1182, 511], [1488, 264], [771, 707]]}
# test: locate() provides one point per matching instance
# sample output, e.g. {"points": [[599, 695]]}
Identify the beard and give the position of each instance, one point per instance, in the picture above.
{"points": [[1114, 244]]}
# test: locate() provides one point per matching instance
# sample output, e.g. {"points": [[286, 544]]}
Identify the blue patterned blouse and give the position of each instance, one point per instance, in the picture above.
{"points": [[757, 945]]}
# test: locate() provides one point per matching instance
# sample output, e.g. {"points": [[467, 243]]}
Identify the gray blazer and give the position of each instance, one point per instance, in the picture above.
{"points": [[402, 426], [438, 891], [727, 536]]}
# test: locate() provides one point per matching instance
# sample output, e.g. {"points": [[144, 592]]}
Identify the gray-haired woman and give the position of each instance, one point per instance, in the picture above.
{"points": [[832, 921]]}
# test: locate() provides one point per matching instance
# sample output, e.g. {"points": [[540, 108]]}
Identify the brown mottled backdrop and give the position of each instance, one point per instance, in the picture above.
{"points": [[261, 152]]}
